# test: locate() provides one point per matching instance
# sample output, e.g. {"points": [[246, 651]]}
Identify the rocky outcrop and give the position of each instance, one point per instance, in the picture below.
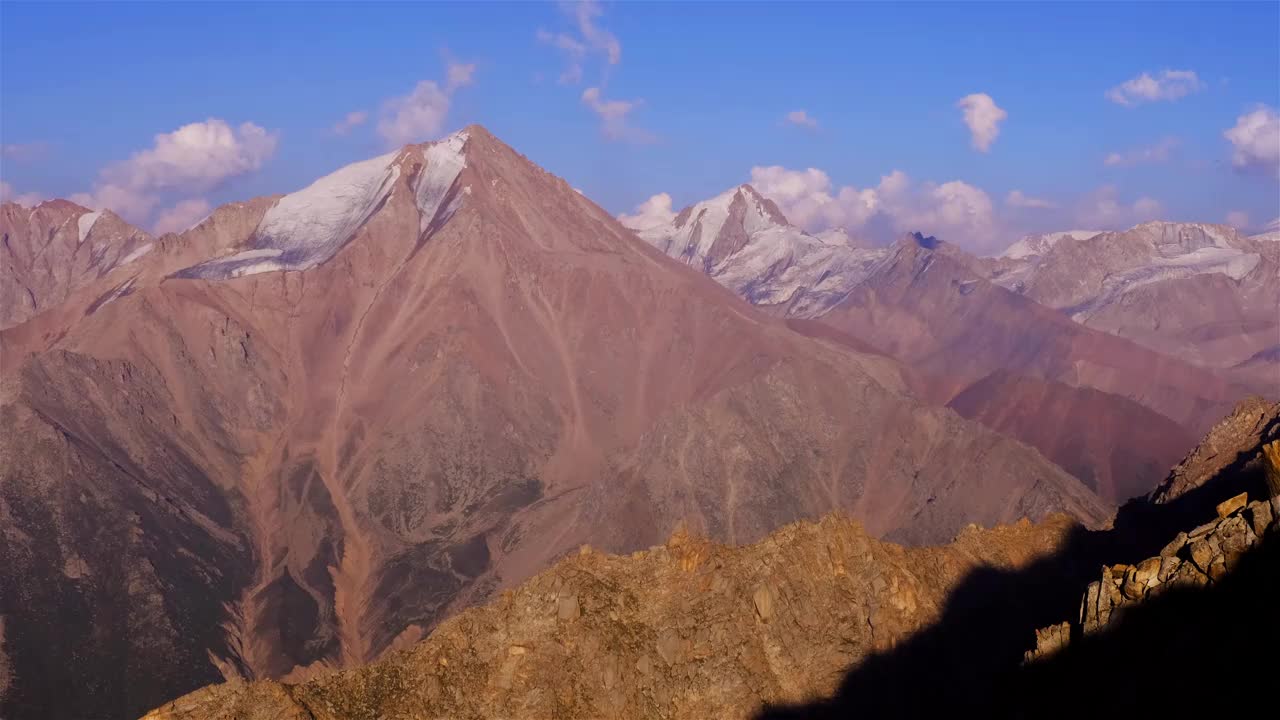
{"points": [[1199, 558], [689, 629], [1234, 443], [1240, 456]]}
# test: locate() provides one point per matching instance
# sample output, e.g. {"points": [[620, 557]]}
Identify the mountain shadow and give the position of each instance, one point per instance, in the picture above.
{"points": [[1184, 652]]}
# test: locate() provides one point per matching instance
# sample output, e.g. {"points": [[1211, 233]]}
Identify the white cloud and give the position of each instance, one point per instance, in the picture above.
{"points": [[195, 158], [182, 216], [420, 115], [1256, 140], [983, 117], [8, 194], [800, 118], [1167, 85], [613, 116], [1157, 153], [809, 199], [1238, 219], [955, 210], [654, 212], [590, 38], [351, 121], [1018, 199], [1104, 210]]}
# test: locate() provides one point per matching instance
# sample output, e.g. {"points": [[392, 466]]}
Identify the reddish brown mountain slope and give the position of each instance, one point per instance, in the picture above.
{"points": [[49, 251], [1117, 447], [274, 473]]}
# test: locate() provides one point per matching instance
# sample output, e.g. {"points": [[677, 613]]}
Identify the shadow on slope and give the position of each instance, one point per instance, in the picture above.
{"points": [[1181, 651]]}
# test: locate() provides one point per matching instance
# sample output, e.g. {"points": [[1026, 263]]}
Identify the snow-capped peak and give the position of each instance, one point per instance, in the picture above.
{"points": [[307, 227], [742, 240]]}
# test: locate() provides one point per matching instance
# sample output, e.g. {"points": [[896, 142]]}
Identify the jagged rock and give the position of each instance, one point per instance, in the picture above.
{"points": [[1168, 566], [1178, 542], [1253, 424], [1259, 516], [1050, 640], [1202, 554], [1147, 572], [1226, 507]]}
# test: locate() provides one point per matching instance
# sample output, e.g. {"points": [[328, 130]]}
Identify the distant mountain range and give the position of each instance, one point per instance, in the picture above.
{"points": [[1174, 321]]}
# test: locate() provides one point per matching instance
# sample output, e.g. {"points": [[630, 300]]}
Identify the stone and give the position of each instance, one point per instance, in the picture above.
{"points": [[1202, 555], [1147, 572], [1218, 568], [669, 646], [1227, 507], [763, 600], [1168, 567], [1260, 517], [1132, 588], [1178, 542], [567, 608]]}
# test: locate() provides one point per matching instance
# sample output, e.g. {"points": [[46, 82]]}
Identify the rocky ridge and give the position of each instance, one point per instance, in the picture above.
{"points": [[816, 620]]}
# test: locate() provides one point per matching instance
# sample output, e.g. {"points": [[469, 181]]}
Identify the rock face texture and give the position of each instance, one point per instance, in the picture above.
{"points": [[818, 620], [1200, 292], [304, 432], [49, 251], [1241, 453], [690, 629]]}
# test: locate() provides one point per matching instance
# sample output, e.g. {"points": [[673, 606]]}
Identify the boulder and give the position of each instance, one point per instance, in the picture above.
{"points": [[1227, 507]]}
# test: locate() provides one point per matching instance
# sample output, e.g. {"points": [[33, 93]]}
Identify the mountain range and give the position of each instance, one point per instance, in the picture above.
{"points": [[304, 432], [300, 435]]}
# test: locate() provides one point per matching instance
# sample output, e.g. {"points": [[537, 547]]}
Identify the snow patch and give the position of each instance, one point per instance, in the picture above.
{"points": [[86, 223], [137, 252], [444, 162], [306, 228]]}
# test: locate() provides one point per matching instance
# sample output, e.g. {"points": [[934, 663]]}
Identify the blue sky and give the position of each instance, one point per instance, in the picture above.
{"points": [[85, 87]]}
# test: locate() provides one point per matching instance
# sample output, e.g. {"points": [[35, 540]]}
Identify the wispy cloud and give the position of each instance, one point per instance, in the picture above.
{"points": [[1018, 199], [1167, 85], [349, 122], [1156, 153], [1238, 219], [182, 216], [9, 194], [983, 117], [614, 117], [24, 152], [800, 118], [586, 38]]}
